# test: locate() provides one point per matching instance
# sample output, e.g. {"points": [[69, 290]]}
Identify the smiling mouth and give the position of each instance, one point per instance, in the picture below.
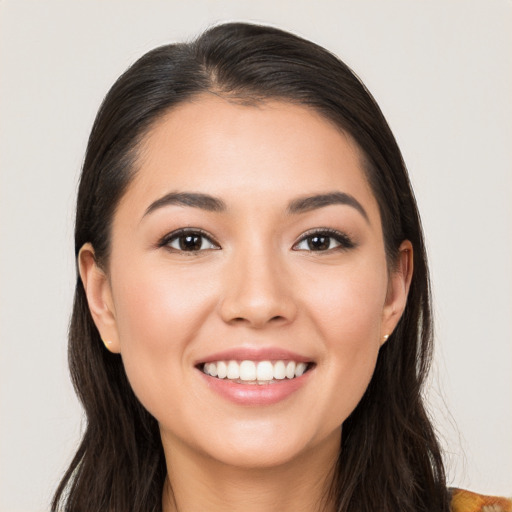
{"points": [[255, 372]]}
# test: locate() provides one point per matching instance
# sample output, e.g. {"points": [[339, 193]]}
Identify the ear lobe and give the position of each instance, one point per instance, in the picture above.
{"points": [[99, 297], [398, 289]]}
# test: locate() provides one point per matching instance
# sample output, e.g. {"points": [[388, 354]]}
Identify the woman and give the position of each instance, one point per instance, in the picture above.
{"points": [[251, 255]]}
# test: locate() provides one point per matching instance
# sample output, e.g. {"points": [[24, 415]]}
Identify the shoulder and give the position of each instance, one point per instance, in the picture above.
{"points": [[466, 501]]}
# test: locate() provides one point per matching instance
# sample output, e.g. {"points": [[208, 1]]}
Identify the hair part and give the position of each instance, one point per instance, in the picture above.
{"points": [[390, 459]]}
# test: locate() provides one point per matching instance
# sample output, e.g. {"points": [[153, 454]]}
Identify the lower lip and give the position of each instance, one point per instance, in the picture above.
{"points": [[256, 394]]}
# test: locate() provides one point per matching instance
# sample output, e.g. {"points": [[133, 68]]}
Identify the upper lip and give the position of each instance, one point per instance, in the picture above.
{"points": [[255, 354]]}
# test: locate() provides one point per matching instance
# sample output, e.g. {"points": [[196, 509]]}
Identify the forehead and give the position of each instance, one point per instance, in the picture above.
{"points": [[247, 152]]}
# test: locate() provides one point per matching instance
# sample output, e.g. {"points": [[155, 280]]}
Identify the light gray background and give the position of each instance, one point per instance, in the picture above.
{"points": [[441, 71]]}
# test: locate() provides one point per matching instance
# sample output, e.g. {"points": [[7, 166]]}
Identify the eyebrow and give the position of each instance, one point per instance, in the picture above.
{"points": [[194, 199], [297, 206], [308, 203]]}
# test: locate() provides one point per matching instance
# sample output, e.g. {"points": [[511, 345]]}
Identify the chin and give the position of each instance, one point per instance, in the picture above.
{"points": [[252, 457], [264, 446]]}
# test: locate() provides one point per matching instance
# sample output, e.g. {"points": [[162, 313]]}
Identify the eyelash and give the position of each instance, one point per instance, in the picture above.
{"points": [[344, 241], [187, 232]]}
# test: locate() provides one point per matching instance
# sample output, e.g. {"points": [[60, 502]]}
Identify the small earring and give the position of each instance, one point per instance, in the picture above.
{"points": [[107, 343], [386, 336]]}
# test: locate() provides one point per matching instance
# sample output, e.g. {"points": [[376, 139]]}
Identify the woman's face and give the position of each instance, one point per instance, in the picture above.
{"points": [[249, 233]]}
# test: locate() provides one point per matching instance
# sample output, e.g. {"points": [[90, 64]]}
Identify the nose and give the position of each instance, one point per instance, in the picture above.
{"points": [[257, 292]]}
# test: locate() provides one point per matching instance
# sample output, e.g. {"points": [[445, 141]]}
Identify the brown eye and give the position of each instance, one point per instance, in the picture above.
{"points": [[322, 241], [188, 241], [319, 243]]}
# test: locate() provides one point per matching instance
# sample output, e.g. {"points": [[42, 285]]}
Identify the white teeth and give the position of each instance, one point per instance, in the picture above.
{"points": [[265, 370], [279, 370], [211, 369], [290, 370], [233, 370], [247, 370], [222, 369], [300, 369], [260, 372]]}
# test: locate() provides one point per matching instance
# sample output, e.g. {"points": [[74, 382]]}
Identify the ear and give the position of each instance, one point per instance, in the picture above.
{"points": [[99, 297], [398, 289]]}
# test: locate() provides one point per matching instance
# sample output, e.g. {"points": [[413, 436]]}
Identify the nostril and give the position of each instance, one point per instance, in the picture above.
{"points": [[257, 321], [257, 311]]}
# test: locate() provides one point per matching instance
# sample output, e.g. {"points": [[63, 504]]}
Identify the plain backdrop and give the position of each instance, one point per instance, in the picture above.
{"points": [[442, 73]]}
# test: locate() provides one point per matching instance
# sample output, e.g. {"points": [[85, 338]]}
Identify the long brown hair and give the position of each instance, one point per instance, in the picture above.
{"points": [[390, 459]]}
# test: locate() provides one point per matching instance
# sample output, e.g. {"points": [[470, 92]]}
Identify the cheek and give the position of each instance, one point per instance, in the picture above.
{"points": [[158, 303], [157, 316], [349, 322], [348, 306]]}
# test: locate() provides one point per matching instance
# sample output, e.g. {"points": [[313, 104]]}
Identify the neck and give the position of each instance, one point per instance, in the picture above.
{"points": [[196, 482]]}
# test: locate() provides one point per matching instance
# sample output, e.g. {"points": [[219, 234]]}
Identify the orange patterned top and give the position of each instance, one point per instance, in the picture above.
{"points": [[465, 501]]}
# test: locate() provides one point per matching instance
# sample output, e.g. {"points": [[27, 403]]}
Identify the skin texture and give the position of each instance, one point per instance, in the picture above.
{"points": [[256, 284]]}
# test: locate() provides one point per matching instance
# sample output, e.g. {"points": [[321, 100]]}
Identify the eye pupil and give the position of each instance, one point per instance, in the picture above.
{"points": [[190, 242], [319, 243]]}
